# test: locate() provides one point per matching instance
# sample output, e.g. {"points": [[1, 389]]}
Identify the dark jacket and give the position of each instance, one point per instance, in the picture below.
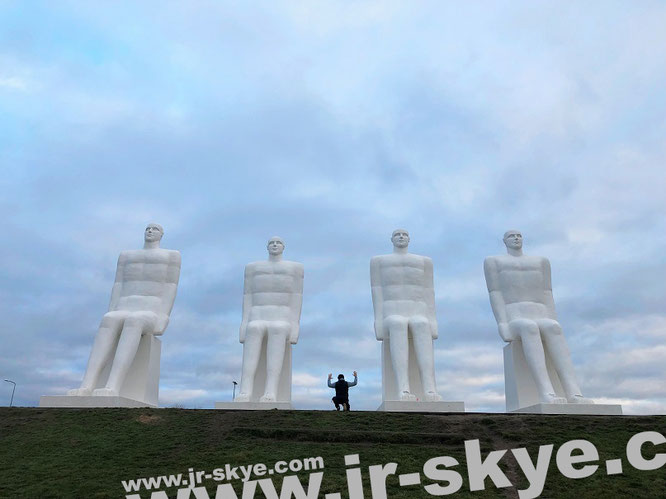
{"points": [[342, 388]]}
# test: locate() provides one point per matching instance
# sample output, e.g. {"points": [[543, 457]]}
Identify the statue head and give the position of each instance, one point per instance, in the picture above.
{"points": [[153, 232], [513, 239], [400, 238], [275, 246]]}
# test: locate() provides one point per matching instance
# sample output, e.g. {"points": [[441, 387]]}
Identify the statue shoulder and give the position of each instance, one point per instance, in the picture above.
{"points": [[490, 262], [128, 255], [296, 267], [377, 259], [252, 266], [175, 259]]}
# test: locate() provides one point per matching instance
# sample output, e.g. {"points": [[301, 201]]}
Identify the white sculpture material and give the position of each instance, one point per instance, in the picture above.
{"points": [[272, 299], [403, 297], [521, 297], [124, 361]]}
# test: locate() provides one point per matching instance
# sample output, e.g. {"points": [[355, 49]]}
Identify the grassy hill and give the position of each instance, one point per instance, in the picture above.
{"points": [[86, 453]]}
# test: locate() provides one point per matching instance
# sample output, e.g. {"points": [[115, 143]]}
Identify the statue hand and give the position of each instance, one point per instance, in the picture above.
{"points": [[378, 330], [433, 330], [293, 335], [504, 332], [161, 324]]}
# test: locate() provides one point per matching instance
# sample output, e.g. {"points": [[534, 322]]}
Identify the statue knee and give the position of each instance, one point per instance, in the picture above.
{"points": [[550, 327], [395, 321], [254, 327], [111, 319], [419, 323], [142, 321], [279, 329], [524, 328]]}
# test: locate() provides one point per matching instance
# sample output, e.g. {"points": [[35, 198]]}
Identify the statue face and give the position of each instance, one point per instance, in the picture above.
{"points": [[153, 233], [513, 239], [275, 246], [400, 238]]}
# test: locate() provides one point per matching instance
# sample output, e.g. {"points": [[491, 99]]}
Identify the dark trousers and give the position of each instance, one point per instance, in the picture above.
{"points": [[337, 401]]}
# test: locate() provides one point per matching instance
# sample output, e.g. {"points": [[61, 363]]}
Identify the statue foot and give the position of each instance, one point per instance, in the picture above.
{"points": [[551, 398], [433, 396], [80, 392], [407, 396], [242, 397], [579, 399], [267, 398], [105, 392]]}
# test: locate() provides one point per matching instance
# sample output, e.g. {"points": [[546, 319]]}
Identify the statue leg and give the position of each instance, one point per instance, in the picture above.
{"points": [[425, 356], [397, 329], [278, 332], [136, 324], [102, 351], [528, 331], [251, 353], [561, 357]]}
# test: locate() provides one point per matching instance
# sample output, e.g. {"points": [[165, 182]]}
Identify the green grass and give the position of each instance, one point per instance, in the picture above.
{"points": [[85, 453]]}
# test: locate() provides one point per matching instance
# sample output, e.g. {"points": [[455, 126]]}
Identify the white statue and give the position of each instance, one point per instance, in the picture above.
{"points": [[403, 297], [141, 302], [521, 297], [272, 299]]}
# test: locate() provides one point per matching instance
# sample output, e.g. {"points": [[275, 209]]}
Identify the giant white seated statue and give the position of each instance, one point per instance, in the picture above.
{"points": [[272, 299], [403, 297], [141, 301], [521, 297]]}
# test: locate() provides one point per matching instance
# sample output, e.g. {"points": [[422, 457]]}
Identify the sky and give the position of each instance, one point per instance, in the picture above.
{"points": [[331, 124]]}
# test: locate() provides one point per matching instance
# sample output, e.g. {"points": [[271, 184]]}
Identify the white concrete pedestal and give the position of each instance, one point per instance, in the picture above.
{"points": [[67, 401], [283, 395], [253, 406], [521, 392], [140, 389], [390, 389], [593, 409], [412, 406]]}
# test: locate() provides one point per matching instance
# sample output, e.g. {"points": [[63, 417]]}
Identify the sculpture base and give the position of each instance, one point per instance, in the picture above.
{"points": [[253, 406], [412, 406], [592, 409], [90, 401]]}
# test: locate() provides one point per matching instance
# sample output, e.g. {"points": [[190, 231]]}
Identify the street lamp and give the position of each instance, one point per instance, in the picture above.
{"points": [[13, 390], [233, 396]]}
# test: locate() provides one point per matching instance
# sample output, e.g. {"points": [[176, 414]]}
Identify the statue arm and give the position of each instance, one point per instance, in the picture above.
{"points": [[548, 289], [117, 283], [430, 297], [296, 304], [377, 299], [247, 302], [496, 299], [169, 292]]}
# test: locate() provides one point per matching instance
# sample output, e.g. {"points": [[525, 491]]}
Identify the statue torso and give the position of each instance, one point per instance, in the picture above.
{"points": [[403, 282], [144, 275], [272, 285], [522, 282]]}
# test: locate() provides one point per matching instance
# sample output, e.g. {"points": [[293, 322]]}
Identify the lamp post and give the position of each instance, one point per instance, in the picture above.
{"points": [[13, 390], [233, 396]]}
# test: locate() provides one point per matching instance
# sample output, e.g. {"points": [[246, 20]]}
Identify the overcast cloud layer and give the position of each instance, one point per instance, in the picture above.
{"points": [[331, 124]]}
